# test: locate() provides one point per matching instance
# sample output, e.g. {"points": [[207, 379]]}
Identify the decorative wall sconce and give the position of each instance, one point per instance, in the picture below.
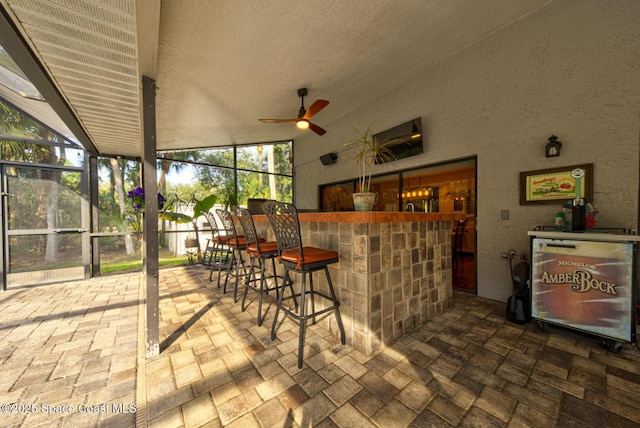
{"points": [[553, 147]]}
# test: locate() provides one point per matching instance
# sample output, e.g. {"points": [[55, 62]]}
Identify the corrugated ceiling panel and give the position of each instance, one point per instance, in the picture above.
{"points": [[90, 50]]}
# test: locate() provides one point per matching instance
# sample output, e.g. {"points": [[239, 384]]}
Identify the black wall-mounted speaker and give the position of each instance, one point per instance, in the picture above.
{"points": [[329, 158]]}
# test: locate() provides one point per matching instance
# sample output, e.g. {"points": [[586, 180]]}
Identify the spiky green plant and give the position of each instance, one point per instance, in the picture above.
{"points": [[366, 151]]}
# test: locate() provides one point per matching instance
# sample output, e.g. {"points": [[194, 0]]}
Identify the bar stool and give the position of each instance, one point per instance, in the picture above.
{"points": [[259, 251], [217, 249], [207, 255], [457, 242], [295, 257], [237, 244]]}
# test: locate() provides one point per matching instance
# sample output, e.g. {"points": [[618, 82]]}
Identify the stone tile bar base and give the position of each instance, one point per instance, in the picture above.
{"points": [[394, 271]]}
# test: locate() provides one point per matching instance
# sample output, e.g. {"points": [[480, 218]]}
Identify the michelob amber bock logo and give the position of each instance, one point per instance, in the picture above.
{"points": [[579, 281]]}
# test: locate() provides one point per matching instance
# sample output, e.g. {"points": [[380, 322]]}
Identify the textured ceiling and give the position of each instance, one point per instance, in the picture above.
{"points": [[221, 65]]}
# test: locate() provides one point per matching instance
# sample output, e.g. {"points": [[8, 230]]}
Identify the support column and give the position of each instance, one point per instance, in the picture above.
{"points": [[95, 226], [150, 222]]}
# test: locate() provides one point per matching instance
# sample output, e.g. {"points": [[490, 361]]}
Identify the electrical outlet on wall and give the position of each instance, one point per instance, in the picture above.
{"points": [[504, 214]]}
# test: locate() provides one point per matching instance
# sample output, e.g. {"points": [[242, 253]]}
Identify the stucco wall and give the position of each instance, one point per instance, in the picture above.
{"points": [[570, 69]]}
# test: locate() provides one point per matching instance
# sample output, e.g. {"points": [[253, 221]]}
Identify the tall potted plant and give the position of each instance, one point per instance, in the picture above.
{"points": [[366, 151]]}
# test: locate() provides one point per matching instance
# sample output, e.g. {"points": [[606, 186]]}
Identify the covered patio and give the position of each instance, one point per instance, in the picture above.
{"points": [[81, 345], [489, 80]]}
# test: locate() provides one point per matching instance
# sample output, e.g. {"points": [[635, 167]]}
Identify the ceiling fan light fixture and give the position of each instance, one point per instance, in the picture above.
{"points": [[302, 121]]}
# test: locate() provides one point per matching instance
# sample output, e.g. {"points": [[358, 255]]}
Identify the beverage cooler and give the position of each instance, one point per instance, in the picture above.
{"points": [[587, 282]]}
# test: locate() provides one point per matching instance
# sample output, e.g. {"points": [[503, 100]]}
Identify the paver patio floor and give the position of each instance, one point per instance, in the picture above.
{"points": [[80, 344]]}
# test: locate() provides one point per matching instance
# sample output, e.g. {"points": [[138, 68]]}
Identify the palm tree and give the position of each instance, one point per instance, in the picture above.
{"points": [[14, 124], [118, 188], [166, 163]]}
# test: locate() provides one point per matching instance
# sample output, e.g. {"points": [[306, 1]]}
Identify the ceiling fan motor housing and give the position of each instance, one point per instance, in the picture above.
{"points": [[302, 92]]}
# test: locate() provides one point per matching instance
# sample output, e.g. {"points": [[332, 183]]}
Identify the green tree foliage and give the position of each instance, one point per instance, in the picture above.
{"points": [[256, 172], [263, 171], [41, 206]]}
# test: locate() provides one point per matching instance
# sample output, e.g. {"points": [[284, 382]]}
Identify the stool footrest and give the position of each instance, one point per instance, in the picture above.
{"points": [[254, 283], [293, 314], [311, 295]]}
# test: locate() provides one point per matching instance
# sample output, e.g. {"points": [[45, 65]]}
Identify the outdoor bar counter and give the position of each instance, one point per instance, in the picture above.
{"points": [[394, 271]]}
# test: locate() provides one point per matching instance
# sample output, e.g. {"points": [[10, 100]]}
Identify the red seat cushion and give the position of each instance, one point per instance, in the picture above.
{"points": [[222, 239], [242, 241], [311, 255], [239, 241], [265, 247]]}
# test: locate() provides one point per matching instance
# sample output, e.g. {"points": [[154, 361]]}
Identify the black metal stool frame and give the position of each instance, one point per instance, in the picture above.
{"points": [[220, 256], [237, 244], [284, 220], [261, 251]]}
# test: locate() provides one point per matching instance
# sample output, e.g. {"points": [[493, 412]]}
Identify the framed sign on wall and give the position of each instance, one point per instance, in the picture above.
{"points": [[549, 186]]}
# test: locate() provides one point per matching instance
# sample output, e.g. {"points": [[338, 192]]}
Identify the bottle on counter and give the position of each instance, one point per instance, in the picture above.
{"points": [[560, 220]]}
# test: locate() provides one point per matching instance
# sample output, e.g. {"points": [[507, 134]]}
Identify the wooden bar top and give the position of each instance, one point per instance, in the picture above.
{"points": [[371, 217]]}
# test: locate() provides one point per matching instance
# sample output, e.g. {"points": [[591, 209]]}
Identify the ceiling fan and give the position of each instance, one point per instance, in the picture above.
{"points": [[302, 121]]}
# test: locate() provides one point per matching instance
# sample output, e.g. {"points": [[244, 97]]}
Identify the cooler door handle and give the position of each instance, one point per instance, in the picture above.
{"points": [[561, 246]]}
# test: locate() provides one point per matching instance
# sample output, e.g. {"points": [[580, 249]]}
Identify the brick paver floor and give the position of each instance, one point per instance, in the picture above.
{"points": [[467, 367], [68, 353], [78, 343]]}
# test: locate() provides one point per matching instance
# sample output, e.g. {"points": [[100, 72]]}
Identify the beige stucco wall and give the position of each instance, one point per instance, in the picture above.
{"points": [[570, 69]]}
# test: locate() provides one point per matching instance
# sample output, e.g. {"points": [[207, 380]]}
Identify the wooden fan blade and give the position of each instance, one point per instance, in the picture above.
{"points": [[315, 108], [315, 128], [295, 119]]}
